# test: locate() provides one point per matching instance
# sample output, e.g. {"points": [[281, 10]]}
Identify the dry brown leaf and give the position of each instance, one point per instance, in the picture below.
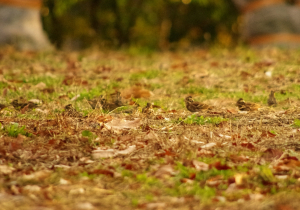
{"points": [[39, 175], [99, 153], [24, 109], [136, 92], [200, 166], [4, 169], [40, 86], [209, 145], [123, 124], [103, 153], [166, 170]]}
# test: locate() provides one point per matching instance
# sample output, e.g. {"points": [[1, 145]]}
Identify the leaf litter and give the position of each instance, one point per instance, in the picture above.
{"points": [[165, 159]]}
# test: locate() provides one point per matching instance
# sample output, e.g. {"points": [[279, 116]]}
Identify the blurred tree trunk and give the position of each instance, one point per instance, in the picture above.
{"points": [[56, 34], [125, 19], [94, 6], [276, 23], [21, 25]]}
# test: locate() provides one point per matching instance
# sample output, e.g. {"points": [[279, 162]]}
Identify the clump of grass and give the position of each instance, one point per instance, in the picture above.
{"points": [[201, 120], [296, 123], [197, 89], [90, 135], [151, 74], [14, 130]]}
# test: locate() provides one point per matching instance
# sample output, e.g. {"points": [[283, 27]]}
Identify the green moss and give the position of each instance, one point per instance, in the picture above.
{"points": [[150, 74]]}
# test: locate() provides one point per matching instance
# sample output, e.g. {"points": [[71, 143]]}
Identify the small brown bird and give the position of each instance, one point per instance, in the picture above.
{"points": [[19, 106], [71, 111], [96, 103], [243, 106], [148, 109], [114, 102], [194, 106], [108, 106], [272, 100], [117, 99], [2, 106]]}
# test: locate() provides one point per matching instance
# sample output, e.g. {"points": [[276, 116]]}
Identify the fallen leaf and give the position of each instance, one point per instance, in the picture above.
{"points": [[99, 153], [200, 166], [4, 169], [123, 124], [40, 86], [64, 181], [127, 151], [238, 158], [215, 181], [75, 97], [136, 92], [248, 145], [245, 75], [103, 153], [225, 136], [31, 189], [240, 179], [84, 206], [271, 154], [36, 101], [256, 196], [103, 171], [267, 134], [48, 90], [39, 175], [209, 145], [5, 92], [156, 205], [166, 170], [77, 191], [62, 166], [219, 166], [25, 109]]}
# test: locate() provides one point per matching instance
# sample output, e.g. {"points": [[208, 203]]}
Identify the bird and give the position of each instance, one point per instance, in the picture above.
{"points": [[71, 111], [243, 106], [148, 109], [117, 99], [272, 100], [106, 106], [2, 106], [194, 106], [19, 106], [115, 102], [96, 102]]}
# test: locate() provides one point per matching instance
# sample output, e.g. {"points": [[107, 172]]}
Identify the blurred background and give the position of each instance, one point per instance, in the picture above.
{"points": [[155, 24]]}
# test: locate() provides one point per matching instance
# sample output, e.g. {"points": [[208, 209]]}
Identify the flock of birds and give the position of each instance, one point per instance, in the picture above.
{"points": [[194, 106], [117, 101]]}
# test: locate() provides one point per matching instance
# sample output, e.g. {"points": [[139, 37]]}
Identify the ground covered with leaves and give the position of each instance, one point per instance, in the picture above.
{"points": [[167, 158]]}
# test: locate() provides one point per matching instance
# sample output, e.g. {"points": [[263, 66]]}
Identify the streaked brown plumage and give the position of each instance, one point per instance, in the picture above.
{"points": [[117, 99], [115, 102], [96, 102], [108, 106], [148, 109], [194, 106], [71, 111], [272, 100], [243, 106], [19, 106], [2, 106]]}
